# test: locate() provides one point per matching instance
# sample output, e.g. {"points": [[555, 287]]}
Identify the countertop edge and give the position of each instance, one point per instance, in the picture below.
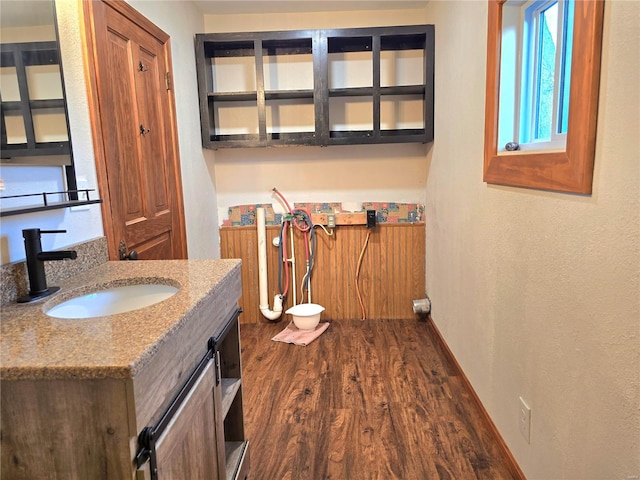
{"points": [[126, 370]]}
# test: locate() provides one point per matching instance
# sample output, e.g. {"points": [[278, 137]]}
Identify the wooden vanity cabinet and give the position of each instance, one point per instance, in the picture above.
{"points": [[189, 396], [201, 433]]}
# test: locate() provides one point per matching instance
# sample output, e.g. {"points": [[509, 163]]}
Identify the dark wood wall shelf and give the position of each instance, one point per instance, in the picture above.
{"points": [[74, 198], [260, 89]]}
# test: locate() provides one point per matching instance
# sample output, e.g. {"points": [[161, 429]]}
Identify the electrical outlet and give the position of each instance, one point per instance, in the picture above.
{"points": [[524, 420], [331, 220], [371, 218]]}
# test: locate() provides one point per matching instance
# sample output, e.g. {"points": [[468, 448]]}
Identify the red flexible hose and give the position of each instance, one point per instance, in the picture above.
{"points": [[284, 200]]}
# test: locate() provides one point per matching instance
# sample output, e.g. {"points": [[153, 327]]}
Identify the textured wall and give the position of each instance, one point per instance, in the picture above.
{"points": [[537, 293]]}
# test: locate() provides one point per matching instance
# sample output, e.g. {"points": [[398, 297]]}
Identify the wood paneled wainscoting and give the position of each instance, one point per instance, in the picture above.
{"points": [[392, 272]]}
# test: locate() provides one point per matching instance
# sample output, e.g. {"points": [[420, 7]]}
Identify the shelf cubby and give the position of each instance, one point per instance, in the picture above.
{"points": [[316, 87], [233, 453]]}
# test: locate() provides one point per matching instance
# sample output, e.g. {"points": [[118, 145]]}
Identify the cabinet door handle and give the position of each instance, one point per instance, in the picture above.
{"points": [[149, 436], [218, 372], [144, 131]]}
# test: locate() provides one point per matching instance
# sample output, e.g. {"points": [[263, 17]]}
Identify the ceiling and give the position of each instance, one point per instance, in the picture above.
{"points": [[228, 7], [26, 12]]}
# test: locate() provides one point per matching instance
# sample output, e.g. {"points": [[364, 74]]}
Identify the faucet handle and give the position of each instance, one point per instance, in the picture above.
{"points": [[33, 234]]}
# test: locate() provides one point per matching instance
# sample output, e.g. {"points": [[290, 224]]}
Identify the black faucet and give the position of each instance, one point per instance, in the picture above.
{"points": [[35, 264]]}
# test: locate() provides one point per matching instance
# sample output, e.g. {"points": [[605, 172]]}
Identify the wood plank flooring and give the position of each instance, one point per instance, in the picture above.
{"points": [[367, 400]]}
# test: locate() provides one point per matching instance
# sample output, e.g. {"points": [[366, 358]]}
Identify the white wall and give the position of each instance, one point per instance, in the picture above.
{"points": [[84, 223], [348, 174], [538, 293], [181, 20], [351, 175]]}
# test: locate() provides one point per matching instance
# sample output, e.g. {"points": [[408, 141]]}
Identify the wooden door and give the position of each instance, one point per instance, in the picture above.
{"points": [[133, 117]]}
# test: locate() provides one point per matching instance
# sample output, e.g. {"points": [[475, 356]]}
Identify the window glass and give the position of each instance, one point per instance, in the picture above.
{"points": [[534, 88], [565, 75], [545, 71]]}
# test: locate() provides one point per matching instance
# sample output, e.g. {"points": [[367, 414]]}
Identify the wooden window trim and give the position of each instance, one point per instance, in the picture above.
{"points": [[572, 169]]}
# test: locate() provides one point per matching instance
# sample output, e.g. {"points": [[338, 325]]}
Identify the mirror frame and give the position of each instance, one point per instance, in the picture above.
{"points": [[566, 171]]}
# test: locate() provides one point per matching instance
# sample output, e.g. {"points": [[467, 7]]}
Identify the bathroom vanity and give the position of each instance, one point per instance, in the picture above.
{"points": [[151, 393]]}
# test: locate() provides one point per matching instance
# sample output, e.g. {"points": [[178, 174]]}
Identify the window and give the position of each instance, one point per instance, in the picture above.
{"points": [[567, 168], [543, 33]]}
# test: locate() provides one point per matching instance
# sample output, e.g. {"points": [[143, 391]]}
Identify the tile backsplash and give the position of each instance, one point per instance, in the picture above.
{"points": [[14, 281], [386, 212]]}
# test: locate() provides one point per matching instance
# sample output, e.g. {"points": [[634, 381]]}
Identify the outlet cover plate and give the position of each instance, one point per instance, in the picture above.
{"points": [[524, 419], [371, 218]]}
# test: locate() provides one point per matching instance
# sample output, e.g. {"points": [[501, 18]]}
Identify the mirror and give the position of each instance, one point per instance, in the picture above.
{"points": [[35, 127], [566, 166], [34, 120]]}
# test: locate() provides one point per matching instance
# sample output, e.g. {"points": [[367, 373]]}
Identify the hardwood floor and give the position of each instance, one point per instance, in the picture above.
{"points": [[366, 400]]}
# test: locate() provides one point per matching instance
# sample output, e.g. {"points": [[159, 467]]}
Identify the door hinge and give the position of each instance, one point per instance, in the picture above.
{"points": [[167, 80]]}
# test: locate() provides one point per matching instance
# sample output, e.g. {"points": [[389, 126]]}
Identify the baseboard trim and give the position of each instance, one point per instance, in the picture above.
{"points": [[513, 465]]}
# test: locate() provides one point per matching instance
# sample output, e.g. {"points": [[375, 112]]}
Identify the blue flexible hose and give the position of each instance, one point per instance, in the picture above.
{"points": [[280, 286], [312, 232]]}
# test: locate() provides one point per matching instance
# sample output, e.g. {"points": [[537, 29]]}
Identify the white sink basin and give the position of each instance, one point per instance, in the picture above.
{"points": [[112, 301]]}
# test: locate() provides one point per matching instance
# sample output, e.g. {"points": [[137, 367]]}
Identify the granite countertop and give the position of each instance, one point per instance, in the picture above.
{"points": [[36, 346]]}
